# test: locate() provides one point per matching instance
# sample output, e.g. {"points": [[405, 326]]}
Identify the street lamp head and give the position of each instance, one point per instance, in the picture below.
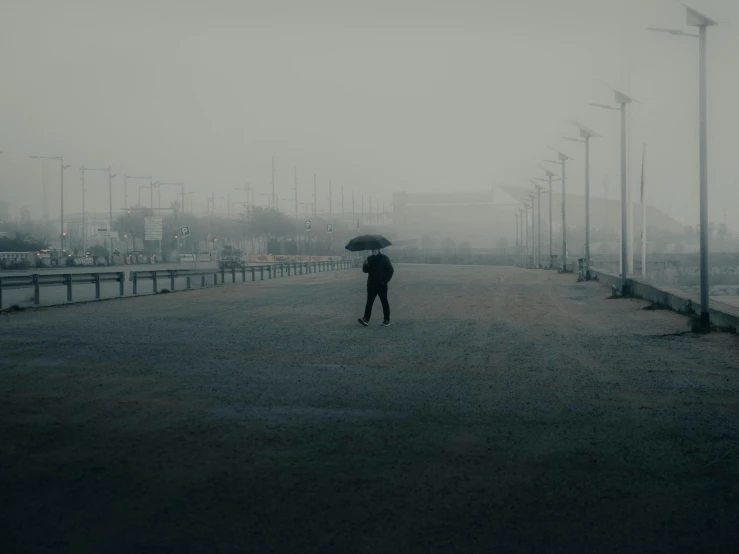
{"points": [[584, 131], [562, 156], [621, 98], [549, 172], [697, 19], [573, 139]]}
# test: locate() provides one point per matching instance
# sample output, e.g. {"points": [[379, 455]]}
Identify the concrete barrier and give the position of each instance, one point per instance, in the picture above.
{"points": [[722, 315]]}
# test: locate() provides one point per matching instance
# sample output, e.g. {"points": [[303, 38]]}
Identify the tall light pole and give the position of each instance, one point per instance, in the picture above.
{"points": [[518, 245], [563, 160], [532, 196], [180, 184], [62, 167], [585, 136], [696, 19], [274, 201], [526, 226], [623, 101], [551, 176], [125, 188], [523, 251], [539, 189]]}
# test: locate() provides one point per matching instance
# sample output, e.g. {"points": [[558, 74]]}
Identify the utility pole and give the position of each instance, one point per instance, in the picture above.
{"points": [[377, 210], [354, 216], [315, 196], [84, 216], [297, 232], [274, 200], [342, 202]]}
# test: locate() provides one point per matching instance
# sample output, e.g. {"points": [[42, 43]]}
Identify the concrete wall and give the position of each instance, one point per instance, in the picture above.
{"points": [[722, 315]]}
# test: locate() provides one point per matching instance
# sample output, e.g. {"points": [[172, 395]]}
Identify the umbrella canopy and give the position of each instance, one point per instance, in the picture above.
{"points": [[367, 242]]}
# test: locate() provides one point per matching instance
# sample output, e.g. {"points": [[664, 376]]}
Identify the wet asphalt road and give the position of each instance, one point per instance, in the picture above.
{"points": [[505, 410]]}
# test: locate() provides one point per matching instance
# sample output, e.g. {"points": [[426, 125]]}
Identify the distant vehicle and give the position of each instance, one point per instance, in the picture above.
{"points": [[55, 257], [230, 258]]}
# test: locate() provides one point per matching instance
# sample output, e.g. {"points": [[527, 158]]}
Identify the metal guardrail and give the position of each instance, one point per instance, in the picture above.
{"points": [[284, 269], [36, 281], [68, 280]]}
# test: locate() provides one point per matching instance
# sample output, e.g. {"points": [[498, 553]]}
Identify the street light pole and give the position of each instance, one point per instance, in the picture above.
{"points": [[696, 19], [549, 179], [533, 229], [517, 241], [539, 189], [622, 100], [585, 136], [520, 223], [62, 167], [563, 160]]}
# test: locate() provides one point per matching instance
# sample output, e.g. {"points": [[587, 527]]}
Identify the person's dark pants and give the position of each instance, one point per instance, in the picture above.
{"points": [[372, 292]]}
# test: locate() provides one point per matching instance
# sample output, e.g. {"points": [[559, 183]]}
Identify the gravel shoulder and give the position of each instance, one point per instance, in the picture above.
{"points": [[505, 410]]}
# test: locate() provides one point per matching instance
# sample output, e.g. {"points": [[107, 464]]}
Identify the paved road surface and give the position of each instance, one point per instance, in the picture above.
{"points": [[505, 411]]}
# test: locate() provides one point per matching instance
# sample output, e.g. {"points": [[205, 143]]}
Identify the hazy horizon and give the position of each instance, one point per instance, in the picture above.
{"points": [[378, 98]]}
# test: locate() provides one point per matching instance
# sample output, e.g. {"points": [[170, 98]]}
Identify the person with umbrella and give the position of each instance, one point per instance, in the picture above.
{"points": [[379, 271]]}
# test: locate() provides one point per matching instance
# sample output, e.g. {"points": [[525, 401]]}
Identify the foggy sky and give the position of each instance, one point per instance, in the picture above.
{"points": [[376, 96]]}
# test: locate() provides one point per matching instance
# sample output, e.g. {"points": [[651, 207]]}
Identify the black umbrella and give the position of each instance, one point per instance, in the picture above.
{"points": [[367, 242]]}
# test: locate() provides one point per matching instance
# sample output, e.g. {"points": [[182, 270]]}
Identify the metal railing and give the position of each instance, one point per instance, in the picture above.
{"points": [[285, 269], [169, 276], [37, 281]]}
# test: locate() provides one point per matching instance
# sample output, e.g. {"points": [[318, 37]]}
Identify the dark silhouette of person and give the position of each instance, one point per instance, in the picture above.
{"points": [[379, 271]]}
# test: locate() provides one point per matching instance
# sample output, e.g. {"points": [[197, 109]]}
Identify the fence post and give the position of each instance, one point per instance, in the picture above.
{"points": [[171, 278], [288, 270], [215, 279], [96, 280], [223, 275], [121, 283], [233, 274], [36, 289], [135, 284], [282, 270], [154, 281], [188, 283], [252, 274], [269, 271], [68, 282], [243, 274], [202, 280], [261, 273]]}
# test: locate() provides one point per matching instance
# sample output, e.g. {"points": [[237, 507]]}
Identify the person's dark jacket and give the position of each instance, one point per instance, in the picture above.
{"points": [[379, 270]]}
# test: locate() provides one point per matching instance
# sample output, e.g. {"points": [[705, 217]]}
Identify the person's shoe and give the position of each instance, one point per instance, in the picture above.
{"points": [[363, 321], [386, 323]]}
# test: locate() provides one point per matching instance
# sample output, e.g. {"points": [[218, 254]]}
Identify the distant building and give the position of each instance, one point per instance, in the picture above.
{"points": [[25, 215], [488, 218]]}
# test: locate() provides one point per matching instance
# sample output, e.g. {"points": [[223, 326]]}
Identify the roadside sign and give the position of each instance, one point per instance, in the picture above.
{"points": [[329, 228], [185, 231], [103, 233], [153, 228], [308, 225]]}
